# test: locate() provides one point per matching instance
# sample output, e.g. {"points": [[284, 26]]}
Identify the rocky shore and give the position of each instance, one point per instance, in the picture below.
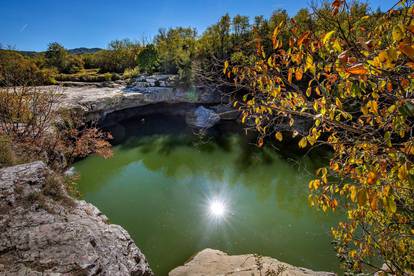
{"points": [[43, 231], [211, 262]]}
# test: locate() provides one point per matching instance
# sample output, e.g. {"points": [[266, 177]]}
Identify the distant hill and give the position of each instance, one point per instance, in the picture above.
{"points": [[83, 50], [75, 51]]}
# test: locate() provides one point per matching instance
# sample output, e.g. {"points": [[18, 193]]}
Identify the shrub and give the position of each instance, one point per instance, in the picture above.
{"points": [[131, 73], [7, 157], [29, 117], [15, 69], [116, 76], [148, 60]]}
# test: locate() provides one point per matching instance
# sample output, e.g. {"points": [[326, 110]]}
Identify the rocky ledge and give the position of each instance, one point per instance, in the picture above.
{"points": [[211, 262], [98, 100], [43, 231]]}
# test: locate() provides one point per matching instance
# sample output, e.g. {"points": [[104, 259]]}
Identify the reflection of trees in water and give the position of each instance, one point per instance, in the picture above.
{"points": [[226, 159], [232, 160]]}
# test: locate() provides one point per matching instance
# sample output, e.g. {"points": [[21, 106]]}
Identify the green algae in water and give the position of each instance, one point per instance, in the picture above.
{"points": [[162, 188]]}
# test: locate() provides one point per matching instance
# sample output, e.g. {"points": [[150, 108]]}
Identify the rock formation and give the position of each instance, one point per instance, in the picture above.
{"points": [[202, 117], [98, 101], [211, 262], [43, 230]]}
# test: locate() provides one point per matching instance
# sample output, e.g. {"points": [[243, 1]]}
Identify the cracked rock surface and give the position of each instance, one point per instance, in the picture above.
{"points": [[211, 262], [43, 231]]}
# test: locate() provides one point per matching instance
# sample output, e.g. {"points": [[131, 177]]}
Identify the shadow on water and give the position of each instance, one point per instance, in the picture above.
{"points": [[159, 183]]}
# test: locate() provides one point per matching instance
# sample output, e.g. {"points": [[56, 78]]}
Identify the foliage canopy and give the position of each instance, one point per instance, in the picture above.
{"points": [[351, 78]]}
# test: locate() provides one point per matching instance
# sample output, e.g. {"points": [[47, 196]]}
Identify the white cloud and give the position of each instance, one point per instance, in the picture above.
{"points": [[23, 27]]}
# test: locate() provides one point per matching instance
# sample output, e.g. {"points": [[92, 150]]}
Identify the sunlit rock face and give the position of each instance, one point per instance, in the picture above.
{"points": [[43, 231], [211, 262]]}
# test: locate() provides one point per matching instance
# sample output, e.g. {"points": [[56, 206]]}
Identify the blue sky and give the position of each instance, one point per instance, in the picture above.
{"points": [[32, 24]]}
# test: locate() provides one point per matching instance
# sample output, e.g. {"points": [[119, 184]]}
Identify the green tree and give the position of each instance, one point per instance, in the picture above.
{"points": [[176, 49], [148, 60], [56, 56], [120, 55]]}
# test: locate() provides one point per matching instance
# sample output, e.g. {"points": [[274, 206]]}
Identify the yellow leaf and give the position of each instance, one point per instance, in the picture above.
{"points": [[279, 136], [397, 34], [303, 143], [374, 107], [391, 204], [353, 191], [402, 172], [337, 47], [309, 62], [338, 103], [327, 36], [226, 65]]}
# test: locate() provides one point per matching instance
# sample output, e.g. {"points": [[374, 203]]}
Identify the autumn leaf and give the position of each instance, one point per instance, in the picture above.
{"points": [[372, 178], [357, 69], [279, 136], [303, 37], [303, 143], [327, 36], [338, 103], [260, 142], [407, 50], [397, 33], [299, 74], [226, 65], [353, 194]]}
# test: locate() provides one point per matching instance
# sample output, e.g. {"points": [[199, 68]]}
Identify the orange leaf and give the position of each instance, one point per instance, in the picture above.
{"points": [[299, 74], [290, 75], [260, 142], [303, 38], [372, 178], [357, 69], [407, 50]]}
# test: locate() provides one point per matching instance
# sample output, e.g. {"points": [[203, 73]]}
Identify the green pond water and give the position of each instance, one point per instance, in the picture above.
{"points": [[177, 193]]}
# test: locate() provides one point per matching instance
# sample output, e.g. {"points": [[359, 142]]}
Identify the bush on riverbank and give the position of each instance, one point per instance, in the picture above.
{"points": [[32, 127]]}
